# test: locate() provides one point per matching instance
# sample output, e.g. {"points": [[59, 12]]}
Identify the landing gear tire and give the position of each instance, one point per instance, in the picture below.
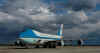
{"points": [[29, 46], [45, 45], [37, 46], [16, 44], [52, 45]]}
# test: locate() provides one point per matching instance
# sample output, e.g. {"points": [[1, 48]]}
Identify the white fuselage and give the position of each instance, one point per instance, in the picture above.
{"points": [[40, 36]]}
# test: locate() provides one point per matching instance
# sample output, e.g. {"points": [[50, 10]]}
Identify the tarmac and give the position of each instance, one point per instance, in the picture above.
{"points": [[66, 49]]}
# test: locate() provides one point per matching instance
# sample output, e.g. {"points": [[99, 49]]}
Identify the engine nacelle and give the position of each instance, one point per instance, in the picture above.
{"points": [[19, 43]]}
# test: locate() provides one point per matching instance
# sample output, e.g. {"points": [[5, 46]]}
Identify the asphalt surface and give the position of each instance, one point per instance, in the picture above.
{"points": [[67, 49]]}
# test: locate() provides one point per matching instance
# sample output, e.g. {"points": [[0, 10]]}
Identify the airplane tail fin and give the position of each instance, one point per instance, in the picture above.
{"points": [[60, 30]]}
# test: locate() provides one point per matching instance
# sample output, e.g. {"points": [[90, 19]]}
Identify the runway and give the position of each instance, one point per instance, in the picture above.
{"points": [[67, 49]]}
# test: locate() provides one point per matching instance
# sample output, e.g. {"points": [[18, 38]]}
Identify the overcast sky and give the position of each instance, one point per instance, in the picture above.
{"points": [[80, 17]]}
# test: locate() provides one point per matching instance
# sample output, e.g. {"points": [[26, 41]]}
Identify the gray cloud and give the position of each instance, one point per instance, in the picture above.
{"points": [[98, 1], [16, 15], [95, 17], [78, 5]]}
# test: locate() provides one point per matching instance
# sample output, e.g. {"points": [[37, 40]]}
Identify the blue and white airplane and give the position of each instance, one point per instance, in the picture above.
{"points": [[34, 37]]}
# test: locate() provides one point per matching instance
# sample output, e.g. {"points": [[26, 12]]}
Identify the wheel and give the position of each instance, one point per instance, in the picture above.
{"points": [[59, 43], [16, 44], [37, 46], [52, 45], [49, 44], [22, 44], [45, 45]]}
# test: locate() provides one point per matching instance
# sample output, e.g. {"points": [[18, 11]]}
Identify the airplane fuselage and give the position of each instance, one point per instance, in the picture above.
{"points": [[34, 37]]}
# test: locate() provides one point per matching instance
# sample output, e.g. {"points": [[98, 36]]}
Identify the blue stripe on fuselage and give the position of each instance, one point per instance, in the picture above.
{"points": [[30, 34]]}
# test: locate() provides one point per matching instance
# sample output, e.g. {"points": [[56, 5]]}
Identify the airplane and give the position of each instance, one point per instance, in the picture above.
{"points": [[33, 37]]}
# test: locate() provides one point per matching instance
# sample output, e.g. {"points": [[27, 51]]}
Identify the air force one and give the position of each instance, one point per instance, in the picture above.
{"points": [[33, 37]]}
